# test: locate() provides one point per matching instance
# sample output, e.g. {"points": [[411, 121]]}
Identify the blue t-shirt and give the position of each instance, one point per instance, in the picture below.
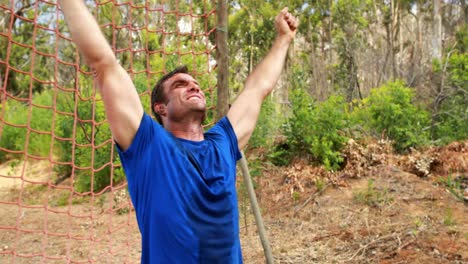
{"points": [[184, 194]]}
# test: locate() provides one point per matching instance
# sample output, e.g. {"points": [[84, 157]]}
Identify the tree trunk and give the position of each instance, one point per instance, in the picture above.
{"points": [[464, 7], [330, 50], [393, 34], [437, 34]]}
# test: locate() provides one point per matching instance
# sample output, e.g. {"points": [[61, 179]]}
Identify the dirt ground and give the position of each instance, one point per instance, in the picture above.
{"points": [[380, 208]]}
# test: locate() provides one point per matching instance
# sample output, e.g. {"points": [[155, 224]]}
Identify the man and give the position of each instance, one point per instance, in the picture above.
{"points": [[181, 180]]}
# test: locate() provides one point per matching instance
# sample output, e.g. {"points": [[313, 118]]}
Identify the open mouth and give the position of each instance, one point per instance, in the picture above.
{"points": [[193, 97]]}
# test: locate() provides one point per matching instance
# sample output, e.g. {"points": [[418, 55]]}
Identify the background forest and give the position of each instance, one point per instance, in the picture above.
{"points": [[359, 69], [366, 70]]}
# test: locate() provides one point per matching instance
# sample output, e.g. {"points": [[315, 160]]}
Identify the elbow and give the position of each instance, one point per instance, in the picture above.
{"points": [[101, 63], [265, 89], [262, 87], [99, 58]]}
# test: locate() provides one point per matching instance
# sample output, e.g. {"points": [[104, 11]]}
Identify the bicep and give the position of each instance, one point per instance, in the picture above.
{"points": [[243, 115], [121, 101]]}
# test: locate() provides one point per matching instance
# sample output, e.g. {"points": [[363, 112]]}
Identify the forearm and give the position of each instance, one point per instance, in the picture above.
{"points": [[121, 101], [246, 108], [86, 33], [266, 74]]}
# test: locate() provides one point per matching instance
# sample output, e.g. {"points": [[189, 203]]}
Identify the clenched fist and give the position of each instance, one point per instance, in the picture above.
{"points": [[286, 24]]}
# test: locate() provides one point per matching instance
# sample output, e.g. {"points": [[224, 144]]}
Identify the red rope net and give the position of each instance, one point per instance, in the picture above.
{"points": [[63, 194]]}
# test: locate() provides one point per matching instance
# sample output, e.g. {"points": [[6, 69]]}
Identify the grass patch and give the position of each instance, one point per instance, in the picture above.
{"points": [[453, 185], [320, 184], [372, 196], [63, 199], [449, 220]]}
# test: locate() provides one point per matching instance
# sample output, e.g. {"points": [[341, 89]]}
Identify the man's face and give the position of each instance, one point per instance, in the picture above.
{"points": [[183, 96]]}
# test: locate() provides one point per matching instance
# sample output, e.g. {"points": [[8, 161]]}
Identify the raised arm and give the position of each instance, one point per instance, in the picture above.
{"points": [[123, 107], [244, 112]]}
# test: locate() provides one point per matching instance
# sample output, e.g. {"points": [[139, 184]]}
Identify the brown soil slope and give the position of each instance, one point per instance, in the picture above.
{"points": [[376, 210]]}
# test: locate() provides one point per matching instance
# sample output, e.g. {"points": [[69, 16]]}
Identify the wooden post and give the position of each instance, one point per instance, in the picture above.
{"points": [[256, 211], [222, 53], [222, 109]]}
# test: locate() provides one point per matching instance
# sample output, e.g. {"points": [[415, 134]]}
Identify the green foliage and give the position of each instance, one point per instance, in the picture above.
{"points": [[418, 222], [88, 148], [453, 185], [350, 13], [317, 128], [27, 127], [449, 220], [296, 196], [267, 125], [389, 110], [251, 32], [24, 49], [281, 155], [320, 184], [462, 39], [452, 121], [372, 196], [255, 168], [457, 69], [349, 37], [452, 115], [64, 199]]}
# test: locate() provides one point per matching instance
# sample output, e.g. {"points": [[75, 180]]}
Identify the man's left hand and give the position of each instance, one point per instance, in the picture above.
{"points": [[286, 24]]}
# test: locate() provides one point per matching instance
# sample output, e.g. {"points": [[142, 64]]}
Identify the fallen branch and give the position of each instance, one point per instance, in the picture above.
{"points": [[362, 248], [402, 246], [312, 197]]}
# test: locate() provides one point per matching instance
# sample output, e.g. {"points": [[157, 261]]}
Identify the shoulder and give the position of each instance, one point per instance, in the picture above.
{"points": [[223, 133], [147, 132], [223, 126]]}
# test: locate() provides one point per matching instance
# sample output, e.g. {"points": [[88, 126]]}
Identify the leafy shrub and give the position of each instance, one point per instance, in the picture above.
{"points": [[88, 148], [317, 128], [453, 185], [389, 111], [451, 119], [28, 127], [266, 127], [281, 154]]}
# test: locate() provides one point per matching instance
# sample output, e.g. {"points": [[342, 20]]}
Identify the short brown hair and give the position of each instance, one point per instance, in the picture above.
{"points": [[158, 96]]}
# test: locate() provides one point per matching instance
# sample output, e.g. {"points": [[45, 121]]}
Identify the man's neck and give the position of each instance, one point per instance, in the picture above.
{"points": [[190, 131]]}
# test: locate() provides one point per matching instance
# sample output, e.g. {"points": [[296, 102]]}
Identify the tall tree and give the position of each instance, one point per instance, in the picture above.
{"points": [[437, 30]]}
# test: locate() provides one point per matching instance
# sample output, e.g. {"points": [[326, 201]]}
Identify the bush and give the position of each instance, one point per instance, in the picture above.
{"points": [[88, 148], [266, 127], [389, 111], [28, 127], [317, 128], [281, 154], [451, 119]]}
